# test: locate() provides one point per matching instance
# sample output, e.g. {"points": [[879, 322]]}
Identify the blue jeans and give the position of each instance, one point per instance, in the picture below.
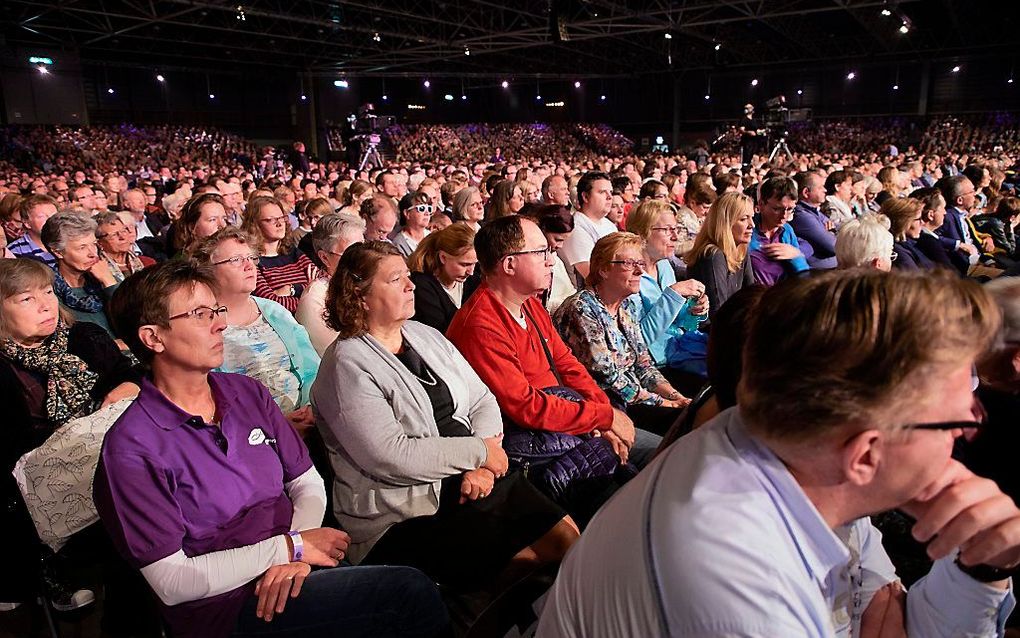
{"points": [[355, 601], [645, 444]]}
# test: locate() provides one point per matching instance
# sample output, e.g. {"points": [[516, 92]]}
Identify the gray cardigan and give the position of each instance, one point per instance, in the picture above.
{"points": [[378, 425]]}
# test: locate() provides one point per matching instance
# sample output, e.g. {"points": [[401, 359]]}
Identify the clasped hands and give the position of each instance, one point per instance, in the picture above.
{"points": [[323, 547]]}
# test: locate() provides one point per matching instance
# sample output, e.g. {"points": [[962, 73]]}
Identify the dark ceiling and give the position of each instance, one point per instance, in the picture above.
{"points": [[509, 38]]}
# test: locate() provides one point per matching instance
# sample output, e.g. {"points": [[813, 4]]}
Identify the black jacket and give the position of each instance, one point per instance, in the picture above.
{"points": [[432, 304]]}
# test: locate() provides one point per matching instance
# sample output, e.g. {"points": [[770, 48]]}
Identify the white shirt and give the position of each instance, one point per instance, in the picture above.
{"points": [[716, 538], [142, 229], [577, 248], [309, 314]]}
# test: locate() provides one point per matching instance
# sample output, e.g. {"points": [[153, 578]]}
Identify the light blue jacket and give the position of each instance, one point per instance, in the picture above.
{"points": [[662, 312], [304, 361]]}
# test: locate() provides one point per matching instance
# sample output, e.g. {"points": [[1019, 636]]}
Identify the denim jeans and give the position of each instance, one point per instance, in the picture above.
{"points": [[355, 601], [645, 444]]}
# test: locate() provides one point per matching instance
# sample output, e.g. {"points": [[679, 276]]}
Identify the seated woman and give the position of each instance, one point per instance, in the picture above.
{"points": [[904, 215], [356, 193], [84, 282], [116, 241], [201, 216], [667, 309], [283, 271], [718, 258], [53, 370], [415, 440], [415, 214], [556, 223], [442, 269], [865, 242], [468, 207], [507, 199], [599, 325], [262, 340], [332, 236], [309, 215], [206, 488]]}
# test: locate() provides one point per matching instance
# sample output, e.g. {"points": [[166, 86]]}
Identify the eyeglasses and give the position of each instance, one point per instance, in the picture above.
{"points": [[423, 208], [669, 230], [275, 221], [980, 421], [545, 252], [238, 260], [630, 264], [894, 256], [204, 314], [120, 234]]}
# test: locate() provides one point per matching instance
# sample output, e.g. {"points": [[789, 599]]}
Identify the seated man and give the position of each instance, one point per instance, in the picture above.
{"points": [[811, 224], [508, 338], [757, 523], [775, 251]]}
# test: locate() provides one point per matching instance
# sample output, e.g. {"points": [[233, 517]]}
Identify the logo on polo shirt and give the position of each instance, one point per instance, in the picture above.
{"points": [[258, 437]]}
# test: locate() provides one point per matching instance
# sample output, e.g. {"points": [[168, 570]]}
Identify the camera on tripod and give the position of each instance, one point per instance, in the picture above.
{"points": [[777, 116]]}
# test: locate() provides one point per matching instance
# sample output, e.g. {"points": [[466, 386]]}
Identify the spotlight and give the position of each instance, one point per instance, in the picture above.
{"points": [[160, 78], [895, 87], [467, 51], [800, 91], [427, 84], [602, 98], [754, 82], [1009, 81], [577, 85], [718, 46], [212, 96], [886, 12], [505, 84], [956, 69], [904, 28], [668, 36], [110, 91], [707, 96], [538, 97], [463, 97], [376, 38], [448, 97], [385, 97], [341, 84], [851, 75], [304, 97], [43, 70]]}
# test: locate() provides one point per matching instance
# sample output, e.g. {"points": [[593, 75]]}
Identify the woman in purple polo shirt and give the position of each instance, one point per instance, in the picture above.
{"points": [[205, 487]]}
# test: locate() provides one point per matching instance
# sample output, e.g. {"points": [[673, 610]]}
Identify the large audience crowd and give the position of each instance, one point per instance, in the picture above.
{"points": [[519, 377]]}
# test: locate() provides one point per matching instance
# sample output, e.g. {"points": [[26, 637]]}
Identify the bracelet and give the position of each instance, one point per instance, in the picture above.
{"points": [[299, 546], [985, 573]]}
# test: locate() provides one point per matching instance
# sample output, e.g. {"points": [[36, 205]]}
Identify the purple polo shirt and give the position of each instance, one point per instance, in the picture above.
{"points": [[168, 481], [766, 271]]}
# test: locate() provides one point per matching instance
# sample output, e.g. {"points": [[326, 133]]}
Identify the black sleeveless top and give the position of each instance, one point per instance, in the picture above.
{"points": [[438, 392]]}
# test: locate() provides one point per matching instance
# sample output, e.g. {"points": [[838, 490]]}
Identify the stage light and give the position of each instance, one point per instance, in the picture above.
{"points": [[800, 91], [341, 84], [463, 97], [212, 96], [904, 28], [718, 46], [895, 87], [304, 97], [669, 36], [1009, 81], [110, 91], [385, 97], [707, 96], [577, 85], [36, 60], [754, 82], [602, 98], [427, 84], [956, 69], [448, 97], [886, 12], [538, 97], [43, 70], [851, 75], [505, 84], [467, 51], [375, 37], [160, 78]]}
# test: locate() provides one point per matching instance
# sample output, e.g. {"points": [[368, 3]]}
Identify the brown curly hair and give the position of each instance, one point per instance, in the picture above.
{"points": [[250, 224], [350, 283]]}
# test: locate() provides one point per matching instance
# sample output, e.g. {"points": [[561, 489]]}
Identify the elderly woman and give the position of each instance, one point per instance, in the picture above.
{"points": [[84, 282], [468, 207], [667, 308], [556, 223], [262, 340], [283, 271], [599, 324], [718, 258], [205, 487], [415, 440], [50, 372], [415, 214], [865, 242], [116, 241], [333, 235], [904, 215], [442, 269]]}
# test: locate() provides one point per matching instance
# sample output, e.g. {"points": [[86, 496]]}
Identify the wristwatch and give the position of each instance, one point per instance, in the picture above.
{"points": [[985, 573]]}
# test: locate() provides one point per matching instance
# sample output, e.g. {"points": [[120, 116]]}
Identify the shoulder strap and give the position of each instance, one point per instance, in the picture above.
{"points": [[545, 346]]}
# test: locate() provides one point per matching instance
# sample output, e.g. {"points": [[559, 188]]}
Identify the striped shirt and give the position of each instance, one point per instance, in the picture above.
{"points": [[292, 269], [24, 247]]}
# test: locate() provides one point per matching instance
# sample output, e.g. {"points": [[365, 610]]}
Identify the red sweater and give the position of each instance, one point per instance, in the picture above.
{"points": [[283, 270], [511, 361]]}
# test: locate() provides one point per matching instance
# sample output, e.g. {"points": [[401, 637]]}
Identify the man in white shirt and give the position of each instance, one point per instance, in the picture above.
{"points": [[757, 523], [595, 196]]}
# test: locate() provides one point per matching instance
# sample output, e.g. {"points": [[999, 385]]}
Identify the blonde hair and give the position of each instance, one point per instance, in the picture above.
{"points": [[717, 231], [605, 252], [250, 224], [901, 211], [643, 216], [455, 239], [866, 338]]}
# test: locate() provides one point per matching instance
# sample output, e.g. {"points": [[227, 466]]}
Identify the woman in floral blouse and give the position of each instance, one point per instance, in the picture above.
{"points": [[600, 325]]}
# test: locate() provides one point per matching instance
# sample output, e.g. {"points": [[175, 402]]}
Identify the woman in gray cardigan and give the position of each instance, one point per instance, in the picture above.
{"points": [[415, 440]]}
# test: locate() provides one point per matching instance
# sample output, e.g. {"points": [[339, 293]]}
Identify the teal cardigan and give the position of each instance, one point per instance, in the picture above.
{"points": [[662, 312], [304, 361]]}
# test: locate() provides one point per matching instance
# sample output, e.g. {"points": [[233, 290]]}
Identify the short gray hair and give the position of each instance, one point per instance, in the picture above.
{"points": [[862, 240], [65, 226], [1006, 293], [333, 227]]}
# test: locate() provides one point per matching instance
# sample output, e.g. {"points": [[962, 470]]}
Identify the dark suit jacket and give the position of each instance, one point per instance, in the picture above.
{"points": [[432, 305], [932, 248], [809, 224], [950, 232], [909, 257]]}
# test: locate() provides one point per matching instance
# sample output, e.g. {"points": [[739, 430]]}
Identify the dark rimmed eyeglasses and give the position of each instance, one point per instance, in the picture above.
{"points": [[980, 421], [630, 264], [204, 314], [546, 252], [238, 260]]}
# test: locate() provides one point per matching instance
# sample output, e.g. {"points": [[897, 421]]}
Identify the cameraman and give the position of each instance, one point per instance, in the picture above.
{"points": [[750, 137]]}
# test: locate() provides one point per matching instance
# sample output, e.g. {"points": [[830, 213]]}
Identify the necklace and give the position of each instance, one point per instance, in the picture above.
{"points": [[431, 383]]}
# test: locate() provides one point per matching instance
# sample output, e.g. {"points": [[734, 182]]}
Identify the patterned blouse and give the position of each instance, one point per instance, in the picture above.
{"points": [[611, 348], [256, 351]]}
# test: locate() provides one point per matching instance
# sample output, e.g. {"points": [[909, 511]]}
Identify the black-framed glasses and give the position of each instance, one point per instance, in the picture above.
{"points": [[630, 264], [669, 230], [204, 314], [979, 422], [545, 252], [238, 260]]}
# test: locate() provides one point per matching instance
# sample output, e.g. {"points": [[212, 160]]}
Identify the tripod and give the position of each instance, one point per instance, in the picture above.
{"points": [[780, 145], [371, 152]]}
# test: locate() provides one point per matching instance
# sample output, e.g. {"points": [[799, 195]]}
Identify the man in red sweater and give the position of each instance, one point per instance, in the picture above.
{"points": [[498, 330]]}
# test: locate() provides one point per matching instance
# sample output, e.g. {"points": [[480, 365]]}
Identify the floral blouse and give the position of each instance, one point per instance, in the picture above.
{"points": [[611, 348]]}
